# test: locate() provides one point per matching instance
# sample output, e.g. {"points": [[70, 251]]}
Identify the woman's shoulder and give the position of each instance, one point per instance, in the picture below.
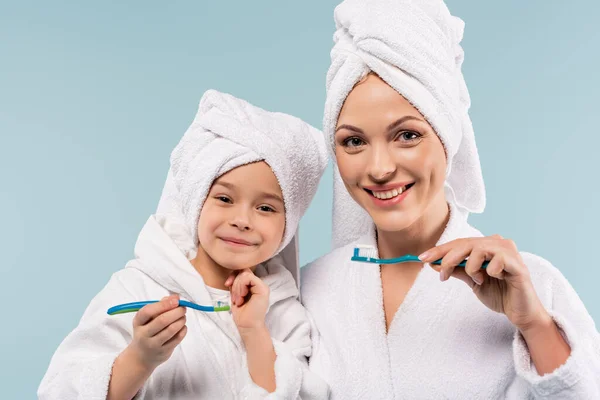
{"points": [[539, 267], [547, 279], [328, 262]]}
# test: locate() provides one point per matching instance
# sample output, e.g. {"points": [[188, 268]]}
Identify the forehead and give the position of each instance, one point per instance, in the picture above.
{"points": [[256, 176], [374, 102]]}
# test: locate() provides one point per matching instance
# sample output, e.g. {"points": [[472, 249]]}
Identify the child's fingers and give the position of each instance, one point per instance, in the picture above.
{"points": [[230, 279], [175, 340], [235, 291], [150, 311], [252, 284], [164, 320], [240, 286], [169, 332]]}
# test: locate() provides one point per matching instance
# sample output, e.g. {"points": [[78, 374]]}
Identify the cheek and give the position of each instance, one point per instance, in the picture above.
{"points": [[350, 166], [434, 168], [273, 232], [207, 223]]}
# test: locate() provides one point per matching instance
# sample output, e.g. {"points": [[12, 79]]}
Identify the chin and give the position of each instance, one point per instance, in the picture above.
{"points": [[234, 263], [393, 221]]}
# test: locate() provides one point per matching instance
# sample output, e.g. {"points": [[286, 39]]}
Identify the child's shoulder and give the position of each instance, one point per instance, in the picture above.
{"points": [[134, 282], [280, 280]]}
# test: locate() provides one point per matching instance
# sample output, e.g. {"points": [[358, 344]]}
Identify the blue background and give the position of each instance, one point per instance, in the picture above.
{"points": [[93, 98]]}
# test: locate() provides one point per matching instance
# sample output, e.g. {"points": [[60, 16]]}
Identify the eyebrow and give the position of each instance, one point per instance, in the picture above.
{"points": [[402, 120], [265, 195], [271, 196], [390, 127]]}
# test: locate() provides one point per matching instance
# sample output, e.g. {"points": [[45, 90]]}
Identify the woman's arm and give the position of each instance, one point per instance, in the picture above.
{"points": [[558, 357], [546, 345]]}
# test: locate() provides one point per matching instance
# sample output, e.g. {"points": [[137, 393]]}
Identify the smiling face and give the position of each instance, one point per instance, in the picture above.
{"points": [[390, 159], [242, 221]]}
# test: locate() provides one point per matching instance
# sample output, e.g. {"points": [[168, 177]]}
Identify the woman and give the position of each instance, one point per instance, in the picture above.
{"points": [[407, 176]]}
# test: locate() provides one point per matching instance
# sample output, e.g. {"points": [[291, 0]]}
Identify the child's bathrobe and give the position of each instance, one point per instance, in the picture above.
{"points": [[210, 363], [443, 343]]}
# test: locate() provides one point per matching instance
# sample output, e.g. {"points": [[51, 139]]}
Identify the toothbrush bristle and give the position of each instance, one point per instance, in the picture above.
{"points": [[367, 251]]}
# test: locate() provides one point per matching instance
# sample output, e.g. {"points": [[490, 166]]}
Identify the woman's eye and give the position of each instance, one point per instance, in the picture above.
{"points": [[224, 199], [409, 136], [353, 142]]}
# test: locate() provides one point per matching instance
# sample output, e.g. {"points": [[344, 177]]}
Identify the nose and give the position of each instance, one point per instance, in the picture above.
{"points": [[382, 165], [241, 221]]}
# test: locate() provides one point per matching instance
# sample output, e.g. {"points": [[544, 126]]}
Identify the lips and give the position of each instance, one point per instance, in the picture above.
{"points": [[236, 241], [388, 192]]}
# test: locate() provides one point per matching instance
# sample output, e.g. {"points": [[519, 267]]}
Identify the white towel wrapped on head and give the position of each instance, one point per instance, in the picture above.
{"points": [[414, 46], [229, 132]]}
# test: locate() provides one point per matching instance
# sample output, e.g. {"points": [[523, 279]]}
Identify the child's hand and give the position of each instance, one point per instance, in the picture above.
{"points": [[250, 300], [157, 329]]}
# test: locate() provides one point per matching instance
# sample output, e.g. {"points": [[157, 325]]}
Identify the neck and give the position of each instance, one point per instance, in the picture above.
{"points": [[422, 235], [213, 274]]}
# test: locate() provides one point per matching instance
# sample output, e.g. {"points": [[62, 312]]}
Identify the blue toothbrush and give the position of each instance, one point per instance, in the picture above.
{"points": [[136, 306], [366, 253]]}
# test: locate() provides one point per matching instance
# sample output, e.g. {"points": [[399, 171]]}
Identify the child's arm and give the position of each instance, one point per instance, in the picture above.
{"points": [[261, 357], [250, 301], [82, 365], [278, 368], [157, 329]]}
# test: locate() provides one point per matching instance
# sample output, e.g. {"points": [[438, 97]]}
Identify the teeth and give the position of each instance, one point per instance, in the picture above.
{"points": [[389, 194]]}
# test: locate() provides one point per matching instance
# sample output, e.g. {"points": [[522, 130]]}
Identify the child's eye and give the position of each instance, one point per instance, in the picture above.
{"points": [[224, 199], [266, 209]]}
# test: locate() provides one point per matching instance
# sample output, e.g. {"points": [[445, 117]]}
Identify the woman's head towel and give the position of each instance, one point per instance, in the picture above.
{"points": [[414, 46], [228, 132]]}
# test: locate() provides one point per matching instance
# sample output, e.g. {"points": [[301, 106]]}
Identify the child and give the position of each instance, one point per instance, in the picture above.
{"points": [[240, 180]]}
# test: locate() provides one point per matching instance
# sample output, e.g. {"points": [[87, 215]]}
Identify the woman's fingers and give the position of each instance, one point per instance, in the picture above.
{"points": [[474, 264], [452, 258]]}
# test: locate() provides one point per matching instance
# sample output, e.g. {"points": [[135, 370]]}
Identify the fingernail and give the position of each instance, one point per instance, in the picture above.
{"points": [[424, 256], [174, 301], [442, 275], [477, 279]]}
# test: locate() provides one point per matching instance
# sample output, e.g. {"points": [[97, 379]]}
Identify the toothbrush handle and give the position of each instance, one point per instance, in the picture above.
{"points": [[462, 264], [129, 307], [195, 306], [137, 305]]}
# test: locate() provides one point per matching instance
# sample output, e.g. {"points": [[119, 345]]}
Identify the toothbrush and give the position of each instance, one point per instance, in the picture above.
{"points": [[366, 253], [136, 306]]}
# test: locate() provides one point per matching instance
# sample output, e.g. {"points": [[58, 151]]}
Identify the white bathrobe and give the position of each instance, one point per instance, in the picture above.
{"points": [[210, 363], [442, 343]]}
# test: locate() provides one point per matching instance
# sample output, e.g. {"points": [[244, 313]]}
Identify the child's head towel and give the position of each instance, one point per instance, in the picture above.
{"points": [[228, 132]]}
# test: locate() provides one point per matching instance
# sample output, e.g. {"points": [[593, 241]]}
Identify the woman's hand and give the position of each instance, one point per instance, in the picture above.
{"points": [[503, 286]]}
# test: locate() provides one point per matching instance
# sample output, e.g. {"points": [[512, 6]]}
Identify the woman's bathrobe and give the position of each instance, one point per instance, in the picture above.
{"points": [[442, 342], [210, 363]]}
